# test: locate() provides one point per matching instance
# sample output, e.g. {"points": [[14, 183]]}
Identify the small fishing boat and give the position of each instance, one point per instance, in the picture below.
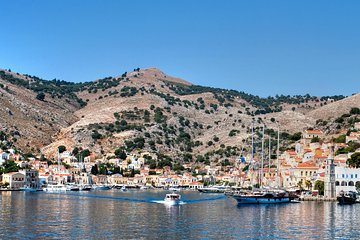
{"points": [[347, 197], [172, 199], [123, 188]]}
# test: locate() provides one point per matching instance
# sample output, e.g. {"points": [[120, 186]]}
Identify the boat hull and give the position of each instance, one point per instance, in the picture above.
{"points": [[171, 202], [202, 190], [346, 200], [261, 200]]}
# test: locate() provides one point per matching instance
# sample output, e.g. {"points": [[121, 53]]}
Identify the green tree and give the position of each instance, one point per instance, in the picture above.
{"points": [[354, 111], [354, 160], [300, 184], [9, 166], [315, 139], [61, 148], [40, 96], [319, 185], [75, 151], [357, 185], [340, 139], [95, 170], [120, 153], [308, 184]]}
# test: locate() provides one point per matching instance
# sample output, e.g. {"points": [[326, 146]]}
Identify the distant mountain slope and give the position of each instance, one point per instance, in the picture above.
{"points": [[147, 110]]}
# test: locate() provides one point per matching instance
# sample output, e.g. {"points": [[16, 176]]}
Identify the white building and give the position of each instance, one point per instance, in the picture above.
{"points": [[346, 178]]}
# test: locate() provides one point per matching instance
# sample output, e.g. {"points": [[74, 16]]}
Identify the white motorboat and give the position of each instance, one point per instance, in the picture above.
{"points": [[55, 188], [73, 187], [172, 199], [174, 189], [123, 188]]}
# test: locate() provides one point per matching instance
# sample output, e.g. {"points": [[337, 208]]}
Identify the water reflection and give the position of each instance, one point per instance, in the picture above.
{"points": [[134, 215]]}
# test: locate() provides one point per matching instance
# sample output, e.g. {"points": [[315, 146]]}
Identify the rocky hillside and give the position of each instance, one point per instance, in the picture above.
{"points": [[30, 119], [148, 110]]}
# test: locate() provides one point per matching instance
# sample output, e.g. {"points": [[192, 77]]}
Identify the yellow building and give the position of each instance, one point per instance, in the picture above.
{"points": [[15, 180]]}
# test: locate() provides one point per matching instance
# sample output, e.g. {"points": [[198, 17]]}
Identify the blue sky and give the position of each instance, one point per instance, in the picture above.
{"points": [[260, 47]]}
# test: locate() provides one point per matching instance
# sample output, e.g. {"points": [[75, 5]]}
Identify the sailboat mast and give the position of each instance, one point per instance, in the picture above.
{"points": [[277, 158], [252, 152], [269, 155], [262, 156]]}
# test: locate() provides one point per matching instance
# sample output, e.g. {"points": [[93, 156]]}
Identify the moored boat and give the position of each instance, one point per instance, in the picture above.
{"points": [[101, 187], [262, 197], [174, 189], [73, 187], [27, 189], [55, 188], [85, 188], [347, 197], [213, 189]]}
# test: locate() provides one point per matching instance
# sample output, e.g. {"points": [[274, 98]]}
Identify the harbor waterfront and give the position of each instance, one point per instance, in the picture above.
{"points": [[137, 214]]}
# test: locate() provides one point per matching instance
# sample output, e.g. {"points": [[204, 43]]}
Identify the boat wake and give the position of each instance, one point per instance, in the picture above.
{"points": [[156, 201], [164, 202]]}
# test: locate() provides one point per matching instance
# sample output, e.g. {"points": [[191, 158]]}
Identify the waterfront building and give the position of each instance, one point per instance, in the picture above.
{"points": [[100, 179], [196, 185], [31, 177], [346, 179], [15, 180]]}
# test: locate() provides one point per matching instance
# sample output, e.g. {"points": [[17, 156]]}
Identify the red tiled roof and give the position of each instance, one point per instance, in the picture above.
{"points": [[313, 131], [306, 165]]}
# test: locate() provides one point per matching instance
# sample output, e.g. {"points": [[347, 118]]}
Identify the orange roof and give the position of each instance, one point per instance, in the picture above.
{"points": [[313, 131], [306, 165]]}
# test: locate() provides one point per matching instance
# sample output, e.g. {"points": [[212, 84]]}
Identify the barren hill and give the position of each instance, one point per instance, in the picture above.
{"points": [[148, 110]]}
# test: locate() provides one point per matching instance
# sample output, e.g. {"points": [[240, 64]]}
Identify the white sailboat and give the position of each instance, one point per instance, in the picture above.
{"points": [[56, 187], [262, 195]]}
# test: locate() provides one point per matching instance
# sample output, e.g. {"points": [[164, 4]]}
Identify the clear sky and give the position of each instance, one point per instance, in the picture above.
{"points": [[260, 47]]}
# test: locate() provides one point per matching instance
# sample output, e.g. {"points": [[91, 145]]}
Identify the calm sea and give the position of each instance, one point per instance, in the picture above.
{"points": [[141, 215]]}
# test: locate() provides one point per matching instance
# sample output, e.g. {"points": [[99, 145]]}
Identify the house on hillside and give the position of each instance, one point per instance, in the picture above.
{"points": [[309, 134]]}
